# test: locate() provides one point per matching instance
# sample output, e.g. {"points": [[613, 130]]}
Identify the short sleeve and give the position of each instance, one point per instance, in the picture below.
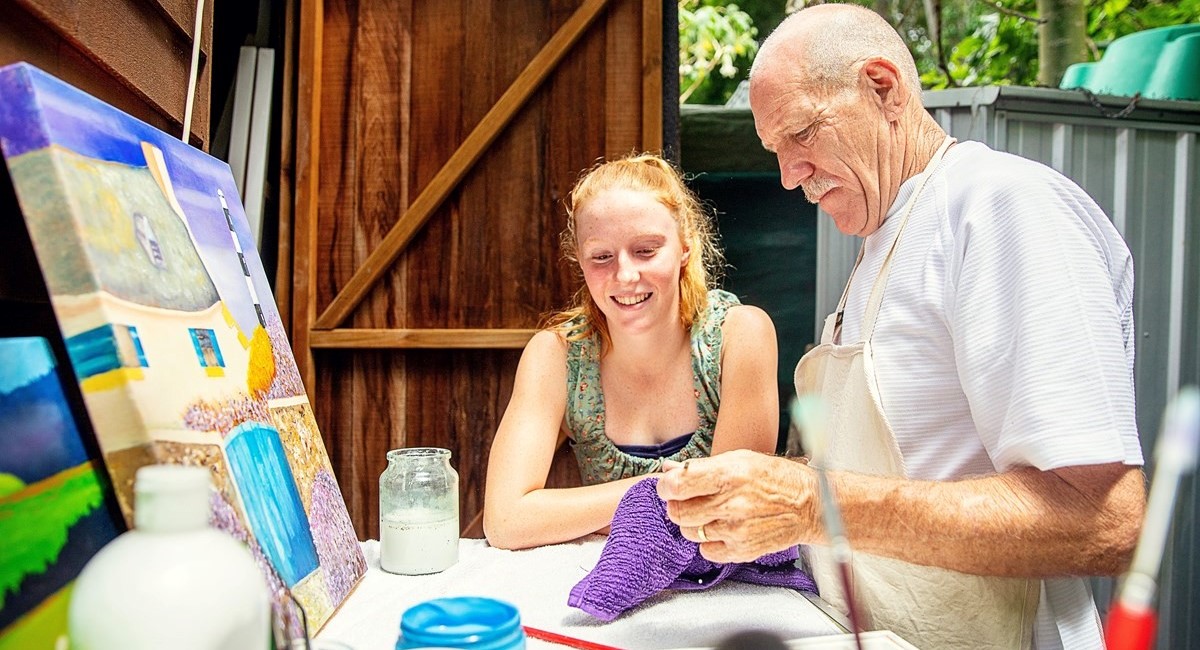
{"points": [[1039, 331]]}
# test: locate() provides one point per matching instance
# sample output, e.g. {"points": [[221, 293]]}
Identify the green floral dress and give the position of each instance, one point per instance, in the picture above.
{"points": [[600, 461]]}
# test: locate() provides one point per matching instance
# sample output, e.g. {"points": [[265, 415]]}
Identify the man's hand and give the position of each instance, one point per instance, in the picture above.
{"points": [[741, 505]]}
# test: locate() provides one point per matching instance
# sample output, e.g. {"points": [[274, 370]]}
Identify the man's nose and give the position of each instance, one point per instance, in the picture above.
{"points": [[793, 169]]}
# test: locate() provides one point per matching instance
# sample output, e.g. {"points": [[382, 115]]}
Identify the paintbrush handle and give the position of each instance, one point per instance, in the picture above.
{"points": [[564, 640]]}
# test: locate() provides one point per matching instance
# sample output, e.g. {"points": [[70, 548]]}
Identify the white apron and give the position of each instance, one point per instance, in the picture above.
{"points": [[930, 607]]}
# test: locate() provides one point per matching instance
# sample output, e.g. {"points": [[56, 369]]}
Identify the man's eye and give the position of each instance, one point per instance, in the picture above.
{"points": [[807, 133]]}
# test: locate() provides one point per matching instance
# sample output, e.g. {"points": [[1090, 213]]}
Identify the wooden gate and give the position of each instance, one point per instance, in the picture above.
{"points": [[435, 143]]}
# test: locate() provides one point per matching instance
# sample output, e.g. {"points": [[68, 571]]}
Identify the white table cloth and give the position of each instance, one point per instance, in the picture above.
{"points": [[538, 580]]}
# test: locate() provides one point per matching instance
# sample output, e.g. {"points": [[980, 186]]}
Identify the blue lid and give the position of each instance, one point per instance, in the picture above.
{"points": [[462, 622]]}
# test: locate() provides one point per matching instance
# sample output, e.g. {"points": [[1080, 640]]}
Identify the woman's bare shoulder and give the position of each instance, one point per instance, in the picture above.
{"points": [[747, 320]]}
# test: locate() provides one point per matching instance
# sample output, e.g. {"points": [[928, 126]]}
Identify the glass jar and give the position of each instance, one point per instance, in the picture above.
{"points": [[418, 511]]}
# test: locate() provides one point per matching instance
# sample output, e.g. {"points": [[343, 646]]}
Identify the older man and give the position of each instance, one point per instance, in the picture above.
{"points": [[979, 369]]}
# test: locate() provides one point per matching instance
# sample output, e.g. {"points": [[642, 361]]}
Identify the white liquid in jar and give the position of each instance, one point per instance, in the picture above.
{"points": [[413, 543]]}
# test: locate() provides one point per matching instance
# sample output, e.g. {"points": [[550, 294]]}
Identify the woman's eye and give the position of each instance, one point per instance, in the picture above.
{"points": [[647, 252], [601, 257]]}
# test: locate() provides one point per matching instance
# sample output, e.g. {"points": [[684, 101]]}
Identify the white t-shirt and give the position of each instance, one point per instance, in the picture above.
{"points": [[1005, 338]]}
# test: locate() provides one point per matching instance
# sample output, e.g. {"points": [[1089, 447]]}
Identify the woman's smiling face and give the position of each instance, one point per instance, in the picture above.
{"points": [[631, 254]]}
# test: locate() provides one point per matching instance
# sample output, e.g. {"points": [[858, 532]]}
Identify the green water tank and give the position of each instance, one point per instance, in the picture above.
{"points": [[1161, 63]]}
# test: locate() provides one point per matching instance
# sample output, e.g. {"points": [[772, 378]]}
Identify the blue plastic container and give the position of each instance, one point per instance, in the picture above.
{"points": [[461, 622], [1157, 63]]}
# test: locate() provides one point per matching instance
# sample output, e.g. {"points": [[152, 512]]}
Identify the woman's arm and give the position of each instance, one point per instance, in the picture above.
{"points": [[749, 413], [518, 510]]}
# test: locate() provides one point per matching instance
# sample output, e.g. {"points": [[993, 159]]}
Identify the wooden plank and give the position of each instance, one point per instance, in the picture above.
{"points": [[26, 37], [477, 399], [374, 110], [652, 75], [287, 168], [337, 417], [181, 16], [377, 114], [308, 154], [498, 229], [474, 220], [430, 339], [444, 83], [622, 80], [339, 205], [458, 165], [139, 47], [377, 404]]}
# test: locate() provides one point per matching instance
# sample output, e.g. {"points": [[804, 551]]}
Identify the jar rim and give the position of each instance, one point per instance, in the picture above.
{"points": [[419, 452]]}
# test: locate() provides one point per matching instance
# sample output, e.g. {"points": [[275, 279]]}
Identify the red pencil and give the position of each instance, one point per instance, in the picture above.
{"points": [[562, 639]]}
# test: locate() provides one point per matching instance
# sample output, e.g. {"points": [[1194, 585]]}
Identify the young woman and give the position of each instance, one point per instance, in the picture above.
{"points": [[650, 365]]}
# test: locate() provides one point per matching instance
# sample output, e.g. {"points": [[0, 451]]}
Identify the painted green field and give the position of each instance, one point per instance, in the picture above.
{"points": [[34, 523]]}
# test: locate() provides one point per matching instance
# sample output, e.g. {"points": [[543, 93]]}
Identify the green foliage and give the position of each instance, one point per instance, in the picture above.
{"points": [[716, 46], [989, 42], [1111, 19], [34, 528], [1001, 49], [998, 44]]}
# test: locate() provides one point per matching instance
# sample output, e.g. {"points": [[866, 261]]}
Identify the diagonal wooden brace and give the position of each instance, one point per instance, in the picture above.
{"points": [[458, 165]]}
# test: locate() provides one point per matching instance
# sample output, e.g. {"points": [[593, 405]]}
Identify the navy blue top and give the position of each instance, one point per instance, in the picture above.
{"points": [[661, 450]]}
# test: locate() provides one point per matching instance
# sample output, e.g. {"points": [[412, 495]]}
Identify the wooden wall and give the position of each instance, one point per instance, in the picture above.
{"points": [[435, 142], [133, 54]]}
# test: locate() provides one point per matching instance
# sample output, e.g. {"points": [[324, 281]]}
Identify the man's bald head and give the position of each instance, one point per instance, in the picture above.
{"points": [[836, 97], [829, 40]]}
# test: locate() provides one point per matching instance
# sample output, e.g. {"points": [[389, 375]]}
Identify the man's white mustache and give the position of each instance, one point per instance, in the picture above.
{"points": [[815, 188]]}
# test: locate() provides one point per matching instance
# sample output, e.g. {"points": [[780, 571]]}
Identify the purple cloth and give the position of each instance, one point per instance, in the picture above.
{"points": [[646, 553]]}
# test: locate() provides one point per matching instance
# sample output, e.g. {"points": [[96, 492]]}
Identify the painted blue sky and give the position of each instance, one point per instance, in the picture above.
{"points": [[38, 436], [25, 361], [39, 110]]}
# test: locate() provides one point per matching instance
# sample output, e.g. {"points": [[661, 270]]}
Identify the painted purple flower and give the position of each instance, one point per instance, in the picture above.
{"points": [[342, 560]]}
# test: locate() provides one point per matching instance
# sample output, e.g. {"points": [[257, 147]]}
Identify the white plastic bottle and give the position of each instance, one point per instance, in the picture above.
{"points": [[171, 582]]}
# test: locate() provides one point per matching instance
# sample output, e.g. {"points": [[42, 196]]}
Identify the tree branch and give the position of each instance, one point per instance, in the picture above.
{"points": [[933, 19], [1014, 13]]}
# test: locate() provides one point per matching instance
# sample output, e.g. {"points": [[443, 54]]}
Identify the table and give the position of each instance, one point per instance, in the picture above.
{"points": [[538, 580]]}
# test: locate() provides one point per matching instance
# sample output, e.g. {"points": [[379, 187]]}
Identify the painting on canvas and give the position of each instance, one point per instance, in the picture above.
{"points": [[171, 329], [55, 504]]}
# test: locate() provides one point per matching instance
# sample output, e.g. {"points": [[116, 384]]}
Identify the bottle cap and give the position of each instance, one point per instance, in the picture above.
{"points": [[171, 498], [461, 622]]}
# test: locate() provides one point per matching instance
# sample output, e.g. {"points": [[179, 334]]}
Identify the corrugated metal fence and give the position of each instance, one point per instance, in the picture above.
{"points": [[1143, 168]]}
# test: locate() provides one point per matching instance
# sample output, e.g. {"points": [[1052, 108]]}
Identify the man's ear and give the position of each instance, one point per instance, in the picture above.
{"points": [[884, 81]]}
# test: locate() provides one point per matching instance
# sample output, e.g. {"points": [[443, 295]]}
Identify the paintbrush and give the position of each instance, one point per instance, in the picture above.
{"points": [[808, 416], [1132, 620]]}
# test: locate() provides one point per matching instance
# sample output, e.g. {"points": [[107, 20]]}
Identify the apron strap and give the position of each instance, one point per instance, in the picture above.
{"points": [[877, 291], [835, 336]]}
